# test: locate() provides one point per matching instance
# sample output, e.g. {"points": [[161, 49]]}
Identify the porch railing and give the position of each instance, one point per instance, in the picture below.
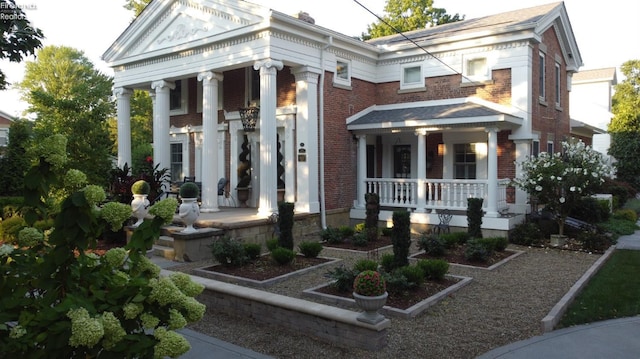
{"points": [[439, 193]]}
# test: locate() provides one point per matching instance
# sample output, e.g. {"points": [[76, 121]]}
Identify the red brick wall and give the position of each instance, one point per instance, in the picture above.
{"points": [[553, 123]]}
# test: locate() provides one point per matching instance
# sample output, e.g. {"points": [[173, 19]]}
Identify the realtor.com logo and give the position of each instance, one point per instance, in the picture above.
{"points": [[12, 12]]}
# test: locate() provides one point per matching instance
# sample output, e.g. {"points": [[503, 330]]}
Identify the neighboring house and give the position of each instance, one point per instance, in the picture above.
{"points": [[5, 123], [591, 94], [425, 123]]}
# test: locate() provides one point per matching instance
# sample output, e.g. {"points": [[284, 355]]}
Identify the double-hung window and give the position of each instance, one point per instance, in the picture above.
{"points": [[542, 78], [465, 161]]}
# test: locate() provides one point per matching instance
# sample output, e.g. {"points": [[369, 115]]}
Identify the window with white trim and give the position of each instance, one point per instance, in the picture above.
{"points": [[177, 172], [542, 78], [464, 161], [178, 98], [343, 72], [558, 84], [411, 77], [476, 69]]}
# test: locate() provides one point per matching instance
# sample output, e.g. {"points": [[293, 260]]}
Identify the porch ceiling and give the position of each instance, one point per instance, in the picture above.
{"points": [[433, 117]]}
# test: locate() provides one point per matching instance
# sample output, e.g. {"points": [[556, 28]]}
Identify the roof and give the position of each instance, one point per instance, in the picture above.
{"points": [[469, 112], [595, 75], [516, 19]]}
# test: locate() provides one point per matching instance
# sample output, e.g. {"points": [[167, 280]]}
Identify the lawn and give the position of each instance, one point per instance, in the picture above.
{"points": [[613, 292]]}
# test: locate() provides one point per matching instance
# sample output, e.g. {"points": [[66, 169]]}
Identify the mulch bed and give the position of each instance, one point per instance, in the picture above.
{"points": [[264, 267], [456, 256], [382, 241], [404, 300]]}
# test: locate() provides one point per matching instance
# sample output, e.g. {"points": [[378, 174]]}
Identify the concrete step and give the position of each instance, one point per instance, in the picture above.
{"points": [[165, 241], [164, 252]]}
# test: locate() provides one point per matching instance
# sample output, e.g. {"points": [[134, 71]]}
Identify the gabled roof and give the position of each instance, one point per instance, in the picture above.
{"points": [[527, 23], [166, 26], [437, 115]]}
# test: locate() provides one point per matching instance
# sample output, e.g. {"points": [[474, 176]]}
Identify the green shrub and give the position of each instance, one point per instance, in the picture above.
{"points": [[498, 244], [43, 224], [590, 210], [633, 204], [252, 250], [189, 190], [331, 235], [229, 252], [474, 217], [10, 206], [387, 262], [140, 187], [619, 227], [10, 227], [526, 234], [342, 278], [272, 244], [387, 231], [285, 223], [626, 214], [456, 237], [282, 255], [397, 283], [597, 242], [433, 269], [360, 239], [365, 264], [346, 231], [414, 274], [477, 250], [310, 249], [431, 245]]}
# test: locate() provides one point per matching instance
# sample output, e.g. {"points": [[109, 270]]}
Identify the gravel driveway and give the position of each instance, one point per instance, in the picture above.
{"points": [[498, 307]]}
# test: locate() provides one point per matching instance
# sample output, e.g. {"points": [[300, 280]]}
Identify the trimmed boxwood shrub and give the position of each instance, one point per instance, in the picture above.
{"points": [[282, 255], [285, 223], [365, 264], [252, 250], [331, 235], [387, 262], [229, 252], [414, 274], [477, 250], [272, 244], [360, 239], [432, 245], [401, 237], [433, 269], [526, 234], [310, 249], [474, 217], [346, 232]]}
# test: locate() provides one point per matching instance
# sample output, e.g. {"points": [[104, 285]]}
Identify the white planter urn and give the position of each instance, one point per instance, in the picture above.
{"points": [[139, 208], [370, 305], [188, 213]]}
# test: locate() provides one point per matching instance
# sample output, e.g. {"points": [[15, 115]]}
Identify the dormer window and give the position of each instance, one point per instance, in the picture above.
{"points": [[343, 73], [411, 77]]}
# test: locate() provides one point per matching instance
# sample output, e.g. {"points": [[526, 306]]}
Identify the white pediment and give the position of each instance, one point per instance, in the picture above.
{"points": [[172, 24]]}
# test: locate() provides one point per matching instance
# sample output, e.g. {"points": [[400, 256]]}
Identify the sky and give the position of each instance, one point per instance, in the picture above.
{"points": [[604, 37]]}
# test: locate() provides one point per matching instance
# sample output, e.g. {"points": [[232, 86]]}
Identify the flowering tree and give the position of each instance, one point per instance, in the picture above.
{"points": [[559, 180], [59, 300]]}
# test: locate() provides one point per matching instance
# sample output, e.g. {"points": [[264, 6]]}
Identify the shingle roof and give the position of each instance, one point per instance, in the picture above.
{"points": [[605, 74], [521, 18]]}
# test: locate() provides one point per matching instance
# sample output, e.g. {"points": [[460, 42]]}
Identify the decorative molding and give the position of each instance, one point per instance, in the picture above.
{"points": [[181, 32]]}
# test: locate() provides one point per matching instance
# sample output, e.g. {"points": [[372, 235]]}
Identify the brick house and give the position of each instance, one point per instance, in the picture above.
{"points": [[425, 120]]}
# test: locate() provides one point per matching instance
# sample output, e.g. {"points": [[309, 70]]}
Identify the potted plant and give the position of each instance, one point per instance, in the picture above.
{"points": [[370, 294], [189, 209], [140, 202]]}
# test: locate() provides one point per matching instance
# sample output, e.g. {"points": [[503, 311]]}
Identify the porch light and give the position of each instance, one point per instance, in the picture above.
{"points": [[249, 117]]}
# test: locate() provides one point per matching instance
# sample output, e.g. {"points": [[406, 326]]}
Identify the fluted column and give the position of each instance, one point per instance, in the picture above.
{"points": [[492, 172], [268, 140], [361, 170], [422, 171], [161, 150], [209, 140], [123, 103], [307, 195]]}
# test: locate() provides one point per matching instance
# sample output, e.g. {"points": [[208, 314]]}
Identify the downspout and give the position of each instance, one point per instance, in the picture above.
{"points": [[323, 211]]}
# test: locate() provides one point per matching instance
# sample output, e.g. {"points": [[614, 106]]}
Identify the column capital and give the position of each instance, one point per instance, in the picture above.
{"points": [[121, 92], [421, 132], [361, 136], [210, 75], [492, 129], [161, 84], [306, 73], [268, 64]]}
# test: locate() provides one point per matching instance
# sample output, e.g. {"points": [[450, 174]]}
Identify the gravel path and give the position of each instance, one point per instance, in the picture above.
{"points": [[498, 307]]}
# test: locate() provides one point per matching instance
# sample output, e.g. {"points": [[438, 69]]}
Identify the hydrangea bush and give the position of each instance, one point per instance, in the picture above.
{"points": [[59, 301], [558, 180]]}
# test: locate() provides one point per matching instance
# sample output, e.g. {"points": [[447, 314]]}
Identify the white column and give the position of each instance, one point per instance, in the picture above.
{"points": [[209, 140], [492, 173], [422, 170], [307, 177], [161, 150], [268, 147], [361, 170], [123, 103], [523, 149]]}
